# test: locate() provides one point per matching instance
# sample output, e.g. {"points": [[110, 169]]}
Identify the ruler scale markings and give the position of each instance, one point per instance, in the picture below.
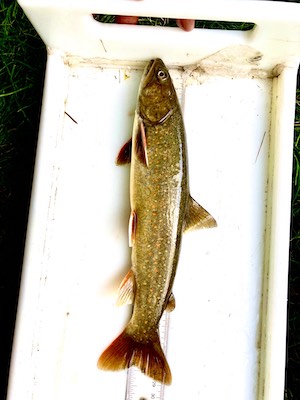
{"points": [[138, 385]]}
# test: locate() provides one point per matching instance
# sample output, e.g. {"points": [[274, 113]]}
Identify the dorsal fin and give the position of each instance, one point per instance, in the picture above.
{"points": [[197, 217]]}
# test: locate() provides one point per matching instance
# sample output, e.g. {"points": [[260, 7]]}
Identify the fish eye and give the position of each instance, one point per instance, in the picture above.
{"points": [[162, 75]]}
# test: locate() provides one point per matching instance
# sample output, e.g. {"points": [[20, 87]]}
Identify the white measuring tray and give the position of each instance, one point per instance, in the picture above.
{"points": [[227, 334]]}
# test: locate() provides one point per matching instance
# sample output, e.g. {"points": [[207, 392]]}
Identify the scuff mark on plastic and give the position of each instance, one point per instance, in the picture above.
{"points": [[260, 146], [103, 45], [71, 117]]}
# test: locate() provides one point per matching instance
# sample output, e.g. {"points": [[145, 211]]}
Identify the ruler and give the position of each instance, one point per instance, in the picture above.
{"points": [[138, 385]]}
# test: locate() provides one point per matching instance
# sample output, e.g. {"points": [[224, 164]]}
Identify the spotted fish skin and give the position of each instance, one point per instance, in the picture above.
{"points": [[161, 210]]}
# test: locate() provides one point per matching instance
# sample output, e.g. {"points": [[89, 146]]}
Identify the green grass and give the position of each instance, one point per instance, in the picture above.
{"points": [[19, 94], [22, 63], [293, 350], [242, 26]]}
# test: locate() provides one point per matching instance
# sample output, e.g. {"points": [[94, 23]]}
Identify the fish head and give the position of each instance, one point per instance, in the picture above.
{"points": [[157, 95]]}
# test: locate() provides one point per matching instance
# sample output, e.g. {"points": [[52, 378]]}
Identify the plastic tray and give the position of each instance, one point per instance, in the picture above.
{"points": [[228, 332]]}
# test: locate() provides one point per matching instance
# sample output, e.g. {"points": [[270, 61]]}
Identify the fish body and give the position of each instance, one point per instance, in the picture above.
{"points": [[161, 209]]}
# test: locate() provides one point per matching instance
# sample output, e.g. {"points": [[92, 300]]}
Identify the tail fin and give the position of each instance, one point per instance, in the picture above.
{"points": [[124, 352]]}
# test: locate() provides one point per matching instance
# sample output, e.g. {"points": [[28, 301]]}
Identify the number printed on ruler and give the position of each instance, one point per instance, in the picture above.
{"points": [[141, 387]]}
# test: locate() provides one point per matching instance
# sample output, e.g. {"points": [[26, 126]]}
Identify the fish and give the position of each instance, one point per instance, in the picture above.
{"points": [[161, 210]]}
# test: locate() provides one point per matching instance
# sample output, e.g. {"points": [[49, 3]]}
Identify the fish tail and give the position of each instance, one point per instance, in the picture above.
{"points": [[125, 351]]}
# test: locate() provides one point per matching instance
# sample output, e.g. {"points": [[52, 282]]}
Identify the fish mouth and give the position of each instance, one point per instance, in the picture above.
{"points": [[148, 67], [148, 73], [149, 70]]}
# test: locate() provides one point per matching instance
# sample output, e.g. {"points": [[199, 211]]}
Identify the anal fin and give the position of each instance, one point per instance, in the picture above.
{"points": [[197, 217], [126, 290]]}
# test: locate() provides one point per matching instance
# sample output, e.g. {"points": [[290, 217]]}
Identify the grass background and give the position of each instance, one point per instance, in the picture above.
{"points": [[22, 65]]}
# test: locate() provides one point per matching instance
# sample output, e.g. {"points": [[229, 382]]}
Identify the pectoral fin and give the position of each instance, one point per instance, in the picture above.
{"points": [[197, 217], [124, 156], [141, 143], [126, 290]]}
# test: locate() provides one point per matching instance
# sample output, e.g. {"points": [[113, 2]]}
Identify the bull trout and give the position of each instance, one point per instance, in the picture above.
{"points": [[161, 210]]}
